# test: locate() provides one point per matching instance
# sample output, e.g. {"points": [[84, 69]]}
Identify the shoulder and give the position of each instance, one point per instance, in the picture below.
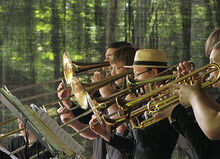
{"points": [[17, 139]]}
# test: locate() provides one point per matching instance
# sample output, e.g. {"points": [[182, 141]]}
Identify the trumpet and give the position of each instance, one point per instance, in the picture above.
{"points": [[165, 75], [164, 98]]}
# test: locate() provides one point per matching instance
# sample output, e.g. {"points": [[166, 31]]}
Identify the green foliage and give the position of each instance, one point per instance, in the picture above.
{"points": [[26, 39]]}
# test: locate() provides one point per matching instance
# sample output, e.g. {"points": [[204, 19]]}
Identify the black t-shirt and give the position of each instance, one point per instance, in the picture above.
{"points": [[186, 124], [36, 148], [155, 141], [4, 155]]}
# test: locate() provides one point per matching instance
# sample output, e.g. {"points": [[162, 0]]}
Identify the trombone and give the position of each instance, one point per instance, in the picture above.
{"points": [[71, 69], [164, 98]]}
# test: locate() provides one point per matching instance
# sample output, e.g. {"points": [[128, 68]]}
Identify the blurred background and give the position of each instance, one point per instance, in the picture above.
{"points": [[34, 34]]}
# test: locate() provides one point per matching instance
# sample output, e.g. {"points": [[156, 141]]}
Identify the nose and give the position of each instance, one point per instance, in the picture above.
{"points": [[21, 125], [106, 59]]}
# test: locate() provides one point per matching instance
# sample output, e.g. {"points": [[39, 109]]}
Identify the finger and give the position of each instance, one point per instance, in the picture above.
{"points": [[198, 82], [60, 110], [61, 86], [174, 72], [186, 66], [179, 70], [158, 115], [176, 92]]}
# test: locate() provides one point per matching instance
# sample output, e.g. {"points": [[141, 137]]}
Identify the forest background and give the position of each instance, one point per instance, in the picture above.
{"points": [[34, 34]]}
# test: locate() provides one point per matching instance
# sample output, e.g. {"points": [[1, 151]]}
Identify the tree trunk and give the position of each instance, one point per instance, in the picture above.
{"points": [[63, 24], [217, 13], [130, 20], [113, 13], [30, 38], [87, 35], [154, 34], [55, 38], [186, 11], [210, 25], [140, 24], [100, 25]]}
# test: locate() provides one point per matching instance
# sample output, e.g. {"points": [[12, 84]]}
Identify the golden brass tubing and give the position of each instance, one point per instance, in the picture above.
{"points": [[78, 132], [20, 148], [36, 96], [79, 116], [35, 85], [10, 133], [130, 106], [17, 130], [7, 121], [43, 106]]}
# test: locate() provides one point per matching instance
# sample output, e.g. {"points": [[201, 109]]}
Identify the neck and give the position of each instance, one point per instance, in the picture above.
{"points": [[31, 138]]}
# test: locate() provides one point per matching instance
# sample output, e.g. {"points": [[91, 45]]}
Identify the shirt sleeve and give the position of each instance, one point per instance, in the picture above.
{"points": [[78, 111], [124, 144], [188, 127]]}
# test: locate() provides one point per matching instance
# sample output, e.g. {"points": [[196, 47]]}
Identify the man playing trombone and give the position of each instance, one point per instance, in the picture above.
{"points": [[99, 147]]}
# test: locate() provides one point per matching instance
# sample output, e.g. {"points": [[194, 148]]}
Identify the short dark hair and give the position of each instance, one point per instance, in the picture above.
{"points": [[118, 44], [124, 54], [213, 38]]}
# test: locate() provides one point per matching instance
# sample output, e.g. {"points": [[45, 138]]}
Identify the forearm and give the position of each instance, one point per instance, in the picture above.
{"points": [[77, 126], [207, 114]]}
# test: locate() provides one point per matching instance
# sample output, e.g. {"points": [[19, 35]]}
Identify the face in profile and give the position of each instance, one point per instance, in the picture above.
{"points": [[21, 126], [116, 69], [142, 73], [215, 58], [108, 53]]}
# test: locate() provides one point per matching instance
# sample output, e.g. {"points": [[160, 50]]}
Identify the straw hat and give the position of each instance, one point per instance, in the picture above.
{"points": [[149, 58]]}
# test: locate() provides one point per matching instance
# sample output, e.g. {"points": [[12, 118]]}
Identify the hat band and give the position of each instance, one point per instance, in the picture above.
{"points": [[150, 63]]}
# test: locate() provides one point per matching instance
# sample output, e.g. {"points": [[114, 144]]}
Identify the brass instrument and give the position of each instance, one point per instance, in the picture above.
{"points": [[166, 74], [159, 98], [70, 69], [79, 89]]}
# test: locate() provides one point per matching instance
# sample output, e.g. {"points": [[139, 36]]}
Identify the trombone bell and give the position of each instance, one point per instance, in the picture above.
{"points": [[67, 68], [79, 92]]}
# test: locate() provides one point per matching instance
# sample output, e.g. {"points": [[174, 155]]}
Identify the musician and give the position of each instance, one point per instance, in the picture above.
{"points": [[31, 149], [204, 107], [153, 142], [99, 146]]}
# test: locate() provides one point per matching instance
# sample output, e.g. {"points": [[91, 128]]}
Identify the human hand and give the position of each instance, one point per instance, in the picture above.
{"points": [[186, 92], [99, 129], [106, 90], [97, 76], [62, 93], [184, 68], [65, 117], [165, 112]]}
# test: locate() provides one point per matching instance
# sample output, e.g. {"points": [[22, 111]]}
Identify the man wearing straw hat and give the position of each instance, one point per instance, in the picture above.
{"points": [[155, 141]]}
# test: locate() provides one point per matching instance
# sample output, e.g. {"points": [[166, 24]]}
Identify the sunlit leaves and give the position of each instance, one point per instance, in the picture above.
{"points": [[47, 55], [46, 28], [1, 10], [42, 15]]}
